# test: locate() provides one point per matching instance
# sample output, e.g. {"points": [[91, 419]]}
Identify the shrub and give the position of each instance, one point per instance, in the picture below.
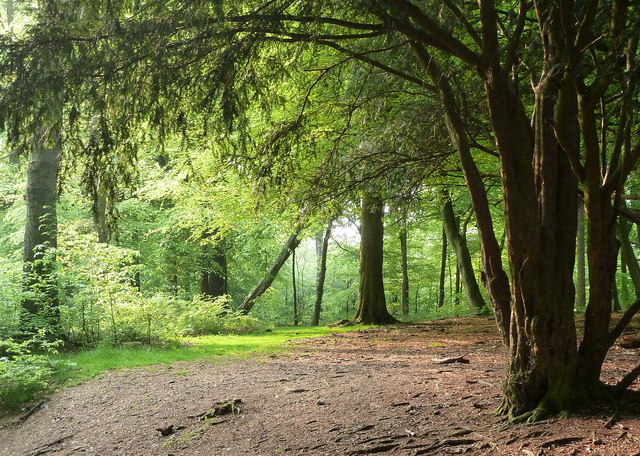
{"points": [[25, 369]]}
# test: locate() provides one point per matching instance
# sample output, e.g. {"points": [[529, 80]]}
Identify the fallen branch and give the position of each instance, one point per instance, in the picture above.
{"points": [[31, 410], [46, 448], [628, 379], [457, 359]]}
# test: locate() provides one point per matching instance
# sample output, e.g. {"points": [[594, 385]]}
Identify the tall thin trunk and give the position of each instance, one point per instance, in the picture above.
{"points": [[581, 277], [289, 246], [372, 306], [443, 267], [40, 236], [404, 299], [459, 244], [322, 246], [99, 211], [628, 255], [295, 291]]}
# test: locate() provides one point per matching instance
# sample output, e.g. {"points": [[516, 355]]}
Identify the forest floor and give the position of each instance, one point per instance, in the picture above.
{"points": [[375, 391]]}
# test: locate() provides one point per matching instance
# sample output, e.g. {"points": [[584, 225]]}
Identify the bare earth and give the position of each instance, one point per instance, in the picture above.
{"points": [[378, 391]]}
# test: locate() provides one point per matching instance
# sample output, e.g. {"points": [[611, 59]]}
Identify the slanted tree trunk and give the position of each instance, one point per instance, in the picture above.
{"points": [[628, 255], [404, 299], [443, 268], [289, 246], [494, 278], [322, 246], [459, 244], [40, 236], [372, 306]]}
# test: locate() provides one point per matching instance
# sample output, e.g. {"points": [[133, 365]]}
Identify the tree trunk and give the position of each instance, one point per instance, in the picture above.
{"points": [[459, 244], [322, 246], [443, 267], [99, 211], [404, 299], [40, 236], [289, 246], [581, 277], [540, 204], [602, 253], [295, 291], [372, 306], [494, 278], [213, 282], [628, 256]]}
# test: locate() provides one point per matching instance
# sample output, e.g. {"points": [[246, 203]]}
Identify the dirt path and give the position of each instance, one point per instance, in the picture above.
{"points": [[375, 391]]}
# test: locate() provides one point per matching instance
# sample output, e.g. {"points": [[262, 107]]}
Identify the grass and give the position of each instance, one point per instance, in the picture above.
{"points": [[90, 363]]}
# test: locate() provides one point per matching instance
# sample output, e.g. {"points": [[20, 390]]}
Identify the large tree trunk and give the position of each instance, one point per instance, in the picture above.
{"points": [[372, 306], [322, 246], [248, 303], [540, 203], [40, 236], [459, 244]]}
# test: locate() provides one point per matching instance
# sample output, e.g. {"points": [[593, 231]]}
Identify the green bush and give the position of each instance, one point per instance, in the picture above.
{"points": [[25, 369], [213, 316]]}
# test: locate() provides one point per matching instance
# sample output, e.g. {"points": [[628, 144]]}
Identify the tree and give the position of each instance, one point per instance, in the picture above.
{"points": [[459, 244], [404, 300], [289, 246], [40, 235], [322, 247], [372, 306]]}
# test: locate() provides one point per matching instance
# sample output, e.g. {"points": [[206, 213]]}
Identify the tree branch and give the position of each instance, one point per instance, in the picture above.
{"points": [[623, 322], [433, 34], [628, 379], [362, 56]]}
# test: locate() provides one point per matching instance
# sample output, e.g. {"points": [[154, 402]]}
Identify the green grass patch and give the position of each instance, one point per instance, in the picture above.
{"points": [[89, 363]]}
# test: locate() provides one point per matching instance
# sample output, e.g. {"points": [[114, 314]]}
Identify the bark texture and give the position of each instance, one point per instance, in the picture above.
{"points": [[372, 306], [40, 236]]}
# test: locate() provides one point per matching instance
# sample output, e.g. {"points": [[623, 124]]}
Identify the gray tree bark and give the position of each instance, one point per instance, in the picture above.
{"points": [[40, 235]]}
